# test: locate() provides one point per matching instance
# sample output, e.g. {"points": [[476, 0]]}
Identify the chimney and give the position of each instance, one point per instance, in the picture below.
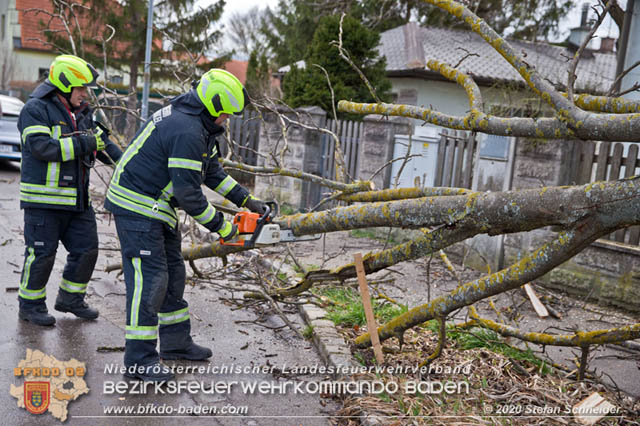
{"points": [[585, 15], [577, 35], [607, 44], [413, 46]]}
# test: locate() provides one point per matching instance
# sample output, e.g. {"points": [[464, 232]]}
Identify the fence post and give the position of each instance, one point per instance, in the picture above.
{"points": [[468, 162], [442, 148]]}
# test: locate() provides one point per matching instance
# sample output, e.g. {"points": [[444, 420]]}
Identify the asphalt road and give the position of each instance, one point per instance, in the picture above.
{"points": [[213, 324]]}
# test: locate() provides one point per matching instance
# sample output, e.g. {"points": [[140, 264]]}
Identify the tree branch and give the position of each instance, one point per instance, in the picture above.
{"points": [[345, 187], [579, 339], [541, 261], [570, 121], [576, 57]]}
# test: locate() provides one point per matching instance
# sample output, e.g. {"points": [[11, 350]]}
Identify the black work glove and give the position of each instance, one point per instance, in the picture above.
{"points": [[255, 205]]}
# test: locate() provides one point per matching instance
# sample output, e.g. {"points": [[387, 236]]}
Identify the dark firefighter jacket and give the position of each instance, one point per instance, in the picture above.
{"points": [[172, 155], [56, 156]]}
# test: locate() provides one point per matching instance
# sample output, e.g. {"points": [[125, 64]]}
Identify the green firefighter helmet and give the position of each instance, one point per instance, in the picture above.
{"points": [[68, 71], [222, 93]]}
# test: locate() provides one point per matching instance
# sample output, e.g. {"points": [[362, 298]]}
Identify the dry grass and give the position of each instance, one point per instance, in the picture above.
{"points": [[495, 382]]}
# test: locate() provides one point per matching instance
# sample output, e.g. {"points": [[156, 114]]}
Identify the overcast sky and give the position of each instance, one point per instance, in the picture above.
{"points": [[608, 28], [242, 5]]}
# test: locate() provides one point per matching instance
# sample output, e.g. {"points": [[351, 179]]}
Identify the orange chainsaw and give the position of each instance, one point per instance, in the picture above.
{"points": [[260, 231]]}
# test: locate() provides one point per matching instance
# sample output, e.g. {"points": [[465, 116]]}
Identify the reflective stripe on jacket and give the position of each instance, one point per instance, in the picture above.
{"points": [[168, 160], [52, 173]]}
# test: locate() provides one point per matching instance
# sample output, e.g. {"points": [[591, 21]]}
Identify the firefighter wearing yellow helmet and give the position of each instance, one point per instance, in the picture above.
{"points": [[68, 71], [60, 142], [168, 160]]}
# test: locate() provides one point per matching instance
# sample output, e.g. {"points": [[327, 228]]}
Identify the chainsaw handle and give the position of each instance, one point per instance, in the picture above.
{"points": [[272, 209], [267, 216]]}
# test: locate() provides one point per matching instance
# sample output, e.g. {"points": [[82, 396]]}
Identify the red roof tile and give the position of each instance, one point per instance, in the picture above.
{"points": [[34, 16]]}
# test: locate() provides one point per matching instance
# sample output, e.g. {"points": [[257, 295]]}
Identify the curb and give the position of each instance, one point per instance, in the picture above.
{"points": [[332, 347]]}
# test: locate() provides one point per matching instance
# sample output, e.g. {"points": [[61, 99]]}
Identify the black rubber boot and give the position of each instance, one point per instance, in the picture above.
{"points": [[74, 303], [193, 352], [35, 313], [156, 372]]}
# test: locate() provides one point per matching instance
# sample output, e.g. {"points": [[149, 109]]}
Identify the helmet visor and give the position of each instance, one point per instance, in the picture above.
{"points": [[94, 77]]}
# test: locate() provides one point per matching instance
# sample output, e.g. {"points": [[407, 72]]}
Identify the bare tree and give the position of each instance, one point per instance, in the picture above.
{"points": [[244, 31], [449, 216]]}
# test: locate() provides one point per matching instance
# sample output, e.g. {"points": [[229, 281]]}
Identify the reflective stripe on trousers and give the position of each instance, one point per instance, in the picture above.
{"points": [[43, 230], [154, 275]]}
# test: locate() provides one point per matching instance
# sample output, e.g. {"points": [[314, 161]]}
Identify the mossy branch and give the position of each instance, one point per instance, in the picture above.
{"points": [[456, 218], [578, 339], [541, 261], [570, 121], [401, 194], [493, 213], [473, 91], [606, 104], [373, 262], [339, 186]]}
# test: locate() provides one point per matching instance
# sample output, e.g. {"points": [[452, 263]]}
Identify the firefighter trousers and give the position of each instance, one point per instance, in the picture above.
{"points": [[43, 230], [154, 274]]}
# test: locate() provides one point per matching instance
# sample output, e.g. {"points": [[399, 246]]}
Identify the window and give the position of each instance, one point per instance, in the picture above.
{"points": [[2, 30], [115, 79], [42, 73], [17, 42]]}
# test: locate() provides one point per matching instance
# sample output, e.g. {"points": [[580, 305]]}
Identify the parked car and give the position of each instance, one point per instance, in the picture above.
{"points": [[10, 147]]}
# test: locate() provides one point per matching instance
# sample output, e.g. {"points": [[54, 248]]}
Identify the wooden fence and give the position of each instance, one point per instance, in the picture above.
{"points": [[606, 161], [349, 133], [454, 166], [244, 132], [243, 137]]}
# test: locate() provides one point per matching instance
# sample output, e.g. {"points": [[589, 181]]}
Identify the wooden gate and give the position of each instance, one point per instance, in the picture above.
{"points": [[455, 159], [243, 138], [349, 133], [606, 161]]}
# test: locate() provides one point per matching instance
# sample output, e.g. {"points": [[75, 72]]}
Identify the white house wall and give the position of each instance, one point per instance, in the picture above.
{"points": [[633, 53], [442, 96], [28, 64], [450, 98]]}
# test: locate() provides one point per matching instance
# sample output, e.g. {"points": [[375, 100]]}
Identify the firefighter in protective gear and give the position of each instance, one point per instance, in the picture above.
{"points": [[163, 168], [59, 144]]}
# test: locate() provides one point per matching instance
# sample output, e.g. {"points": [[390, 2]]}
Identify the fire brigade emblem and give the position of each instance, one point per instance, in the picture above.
{"points": [[36, 396]]}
